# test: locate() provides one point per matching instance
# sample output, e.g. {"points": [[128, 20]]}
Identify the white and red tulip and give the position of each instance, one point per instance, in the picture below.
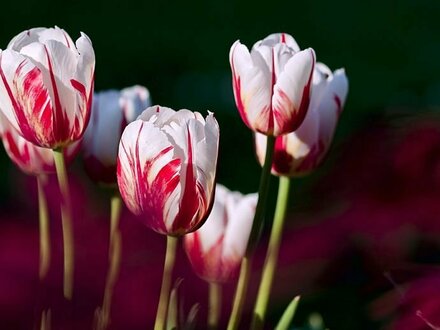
{"points": [[30, 158], [272, 83], [167, 166], [300, 152], [217, 248], [46, 85], [111, 112]]}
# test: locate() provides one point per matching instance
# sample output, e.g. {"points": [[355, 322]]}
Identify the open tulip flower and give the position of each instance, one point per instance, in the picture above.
{"points": [[31, 159], [272, 83], [217, 248], [167, 166], [46, 85], [112, 110], [302, 151]]}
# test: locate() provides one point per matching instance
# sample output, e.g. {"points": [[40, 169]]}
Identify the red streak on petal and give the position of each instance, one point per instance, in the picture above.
{"points": [[300, 114], [338, 104], [237, 93], [61, 129], [67, 40], [20, 157], [207, 264], [192, 204], [282, 160], [283, 38], [22, 120]]}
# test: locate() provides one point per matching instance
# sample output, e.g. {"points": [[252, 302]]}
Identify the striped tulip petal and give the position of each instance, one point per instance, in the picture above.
{"points": [[217, 248], [46, 86], [166, 168], [272, 83], [301, 151], [28, 157]]}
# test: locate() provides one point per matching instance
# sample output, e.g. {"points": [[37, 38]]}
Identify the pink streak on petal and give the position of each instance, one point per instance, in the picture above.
{"points": [[338, 104], [237, 93], [22, 120], [282, 161], [192, 204]]}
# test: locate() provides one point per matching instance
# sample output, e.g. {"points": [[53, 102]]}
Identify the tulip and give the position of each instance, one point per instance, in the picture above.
{"points": [[217, 248], [46, 86], [272, 83], [166, 168], [300, 152], [31, 159], [112, 110]]}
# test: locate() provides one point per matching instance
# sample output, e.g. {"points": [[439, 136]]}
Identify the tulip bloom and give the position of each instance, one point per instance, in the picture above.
{"points": [[112, 110], [166, 168], [300, 152], [46, 86], [217, 248], [272, 83], [30, 158]]}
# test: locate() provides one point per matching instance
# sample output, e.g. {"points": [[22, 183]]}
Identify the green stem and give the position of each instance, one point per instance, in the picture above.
{"points": [[44, 229], [215, 298], [114, 260], [272, 254], [240, 294], [257, 225], [162, 309], [66, 219], [263, 191]]}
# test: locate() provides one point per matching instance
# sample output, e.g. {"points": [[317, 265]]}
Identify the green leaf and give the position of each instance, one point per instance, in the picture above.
{"points": [[288, 315]]}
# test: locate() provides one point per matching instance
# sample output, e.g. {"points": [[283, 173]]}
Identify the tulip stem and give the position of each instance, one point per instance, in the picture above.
{"points": [[103, 315], [272, 254], [257, 225], [263, 191], [240, 294], [44, 229], [162, 309], [215, 300], [66, 219]]}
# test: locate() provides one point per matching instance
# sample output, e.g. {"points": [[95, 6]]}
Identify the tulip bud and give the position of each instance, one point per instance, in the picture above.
{"points": [[217, 248], [300, 152], [112, 110], [272, 83], [166, 168], [46, 86], [30, 158]]}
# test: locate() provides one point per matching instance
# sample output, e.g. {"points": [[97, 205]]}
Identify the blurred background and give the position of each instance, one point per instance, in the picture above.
{"points": [[362, 242]]}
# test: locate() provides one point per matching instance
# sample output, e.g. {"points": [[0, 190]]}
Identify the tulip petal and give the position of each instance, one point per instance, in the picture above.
{"points": [[251, 84], [331, 104], [292, 92], [24, 99], [138, 159], [196, 145], [41, 35], [241, 210], [278, 38]]}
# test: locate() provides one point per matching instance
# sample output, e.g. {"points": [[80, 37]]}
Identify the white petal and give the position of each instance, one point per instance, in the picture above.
{"points": [[291, 86], [278, 38], [240, 211], [157, 115], [133, 101], [103, 133]]}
